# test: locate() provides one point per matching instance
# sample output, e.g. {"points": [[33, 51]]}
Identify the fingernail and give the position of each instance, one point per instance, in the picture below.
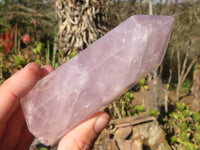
{"points": [[101, 123], [47, 67], [44, 66]]}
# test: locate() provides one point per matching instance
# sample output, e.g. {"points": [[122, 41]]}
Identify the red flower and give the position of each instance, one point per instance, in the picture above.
{"points": [[26, 39]]}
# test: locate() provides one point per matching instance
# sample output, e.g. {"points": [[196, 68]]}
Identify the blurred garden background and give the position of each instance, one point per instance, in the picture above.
{"points": [[54, 31]]}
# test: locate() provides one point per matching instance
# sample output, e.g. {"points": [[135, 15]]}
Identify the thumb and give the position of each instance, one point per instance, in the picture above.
{"points": [[83, 136]]}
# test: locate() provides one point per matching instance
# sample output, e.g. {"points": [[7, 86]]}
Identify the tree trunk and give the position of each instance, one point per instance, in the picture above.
{"points": [[196, 81], [183, 71], [150, 7], [81, 23]]}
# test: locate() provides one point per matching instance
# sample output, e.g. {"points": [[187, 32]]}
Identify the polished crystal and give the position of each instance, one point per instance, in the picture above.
{"points": [[96, 76]]}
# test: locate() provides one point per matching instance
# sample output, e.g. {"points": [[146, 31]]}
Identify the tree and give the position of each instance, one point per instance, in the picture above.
{"points": [[81, 23], [196, 82], [26, 12]]}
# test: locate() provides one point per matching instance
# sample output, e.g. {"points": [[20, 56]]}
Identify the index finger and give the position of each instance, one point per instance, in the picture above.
{"points": [[16, 87]]}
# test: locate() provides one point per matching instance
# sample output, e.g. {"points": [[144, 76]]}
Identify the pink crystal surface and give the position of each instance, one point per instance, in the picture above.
{"points": [[96, 76]]}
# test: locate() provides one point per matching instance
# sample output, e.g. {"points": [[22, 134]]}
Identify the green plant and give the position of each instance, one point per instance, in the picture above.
{"points": [[143, 84], [20, 61], [154, 113], [186, 85], [54, 54], [1, 47], [172, 140], [6, 73], [196, 117], [73, 54], [124, 104], [190, 146], [48, 53], [180, 106], [43, 148], [184, 128], [139, 109], [38, 48], [197, 138]]}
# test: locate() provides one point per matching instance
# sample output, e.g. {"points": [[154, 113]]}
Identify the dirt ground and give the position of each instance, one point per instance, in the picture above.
{"points": [[187, 98]]}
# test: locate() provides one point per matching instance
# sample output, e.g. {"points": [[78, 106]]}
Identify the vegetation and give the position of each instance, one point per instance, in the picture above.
{"points": [[29, 31], [183, 128]]}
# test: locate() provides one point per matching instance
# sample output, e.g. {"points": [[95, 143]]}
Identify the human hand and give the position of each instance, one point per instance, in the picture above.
{"points": [[14, 134]]}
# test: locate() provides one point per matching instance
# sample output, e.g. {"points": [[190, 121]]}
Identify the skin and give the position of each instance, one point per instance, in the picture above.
{"points": [[14, 134]]}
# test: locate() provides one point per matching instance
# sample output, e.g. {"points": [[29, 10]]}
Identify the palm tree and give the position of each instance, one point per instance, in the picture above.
{"points": [[81, 23]]}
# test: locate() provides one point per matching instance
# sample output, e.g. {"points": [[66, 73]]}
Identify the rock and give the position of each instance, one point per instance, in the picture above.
{"points": [[146, 134], [123, 133], [108, 145], [152, 135], [136, 145], [129, 145]]}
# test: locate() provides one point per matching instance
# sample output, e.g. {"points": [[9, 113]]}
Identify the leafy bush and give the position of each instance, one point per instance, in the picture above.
{"points": [[184, 128], [124, 104], [154, 113], [143, 84], [139, 109]]}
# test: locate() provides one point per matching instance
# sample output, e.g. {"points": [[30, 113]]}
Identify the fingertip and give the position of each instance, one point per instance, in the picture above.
{"points": [[33, 65], [26, 78], [34, 69], [45, 70], [84, 135], [40, 72], [16, 87], [101, 122]]}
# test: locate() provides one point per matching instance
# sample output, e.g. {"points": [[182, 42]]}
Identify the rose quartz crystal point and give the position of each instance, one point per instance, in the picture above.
{"points": [[95, 77]]}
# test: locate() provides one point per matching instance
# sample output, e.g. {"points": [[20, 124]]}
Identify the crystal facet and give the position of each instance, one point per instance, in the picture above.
{"points": [[95, 77]]}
